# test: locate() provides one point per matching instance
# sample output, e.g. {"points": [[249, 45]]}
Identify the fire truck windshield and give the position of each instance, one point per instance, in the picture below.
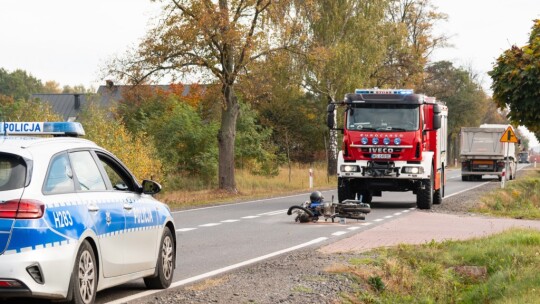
{"points": [[383, 117]]}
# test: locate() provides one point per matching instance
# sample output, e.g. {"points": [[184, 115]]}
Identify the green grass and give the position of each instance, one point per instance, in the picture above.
{"points": [[254, 186], [502, 268], [519, 199], [507, 266]]}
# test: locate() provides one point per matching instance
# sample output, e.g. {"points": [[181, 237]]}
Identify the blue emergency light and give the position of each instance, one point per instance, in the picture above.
{"points": [[42, 128], [384, 91]]}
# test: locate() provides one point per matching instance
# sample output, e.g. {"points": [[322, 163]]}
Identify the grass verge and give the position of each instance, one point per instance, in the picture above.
{"points": [[254, 186], [519, 199], [502, 268]]}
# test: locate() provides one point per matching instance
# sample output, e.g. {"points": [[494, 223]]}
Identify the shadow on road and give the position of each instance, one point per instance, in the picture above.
{"points": [[392, 205]]}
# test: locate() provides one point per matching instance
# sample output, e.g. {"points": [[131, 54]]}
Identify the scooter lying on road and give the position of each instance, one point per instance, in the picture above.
{"points": [[316, 207]]}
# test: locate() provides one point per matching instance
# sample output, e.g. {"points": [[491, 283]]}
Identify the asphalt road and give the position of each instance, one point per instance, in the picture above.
{"points": [[217, 239]]}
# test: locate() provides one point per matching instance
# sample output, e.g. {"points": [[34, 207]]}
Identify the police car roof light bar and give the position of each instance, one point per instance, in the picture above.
{"points": [[384, 91], [42, 128]]}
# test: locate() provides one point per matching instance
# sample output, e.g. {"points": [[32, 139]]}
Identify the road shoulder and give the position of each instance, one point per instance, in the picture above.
{"points": [[420, 227]]}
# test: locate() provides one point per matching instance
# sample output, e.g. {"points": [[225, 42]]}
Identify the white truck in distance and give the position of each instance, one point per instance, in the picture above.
{"points": [[482, 153]]}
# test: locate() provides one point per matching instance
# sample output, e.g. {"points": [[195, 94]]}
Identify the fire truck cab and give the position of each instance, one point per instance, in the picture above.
{"points": [[393, 140]]}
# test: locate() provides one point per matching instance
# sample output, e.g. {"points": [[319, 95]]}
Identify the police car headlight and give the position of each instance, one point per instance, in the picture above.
{"points": [[412, 170], [350, 168]]}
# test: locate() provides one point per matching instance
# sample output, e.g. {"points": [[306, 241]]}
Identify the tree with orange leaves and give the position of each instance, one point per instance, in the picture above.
{"points": [[218, 40]]}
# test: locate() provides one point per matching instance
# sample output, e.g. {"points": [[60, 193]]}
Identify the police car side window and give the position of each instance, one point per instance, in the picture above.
{"points": [[119, 178], [87, 171], [59, 177]]}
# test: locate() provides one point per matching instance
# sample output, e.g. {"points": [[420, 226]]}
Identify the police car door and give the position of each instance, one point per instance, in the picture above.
{"points": [[106, 210], [141, 237]]}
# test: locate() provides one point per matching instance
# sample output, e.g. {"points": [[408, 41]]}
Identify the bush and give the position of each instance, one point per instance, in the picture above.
{"points": [[134, 150], [253, 147], [26, 110], [186, 142]]}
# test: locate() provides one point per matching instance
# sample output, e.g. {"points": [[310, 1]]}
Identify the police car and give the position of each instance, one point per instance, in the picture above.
{"points": [[74, 220]]}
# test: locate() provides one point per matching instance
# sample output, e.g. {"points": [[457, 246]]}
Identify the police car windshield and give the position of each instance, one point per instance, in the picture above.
{"points": [[383, 117], [12, 172]]}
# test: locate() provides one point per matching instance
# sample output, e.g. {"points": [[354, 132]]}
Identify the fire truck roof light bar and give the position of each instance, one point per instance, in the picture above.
{"points": [[384, 91]]}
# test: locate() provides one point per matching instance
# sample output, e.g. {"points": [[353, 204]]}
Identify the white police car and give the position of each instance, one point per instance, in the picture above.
{"points": [[74, 220]]}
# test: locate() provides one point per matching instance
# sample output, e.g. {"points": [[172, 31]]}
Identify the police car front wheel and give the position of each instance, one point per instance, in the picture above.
{"points": [[165, 263], [84, 276]]}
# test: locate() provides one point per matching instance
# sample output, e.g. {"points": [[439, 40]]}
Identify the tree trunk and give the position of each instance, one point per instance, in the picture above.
{"points": [[333, 150], [332, 155], [226, 140]]}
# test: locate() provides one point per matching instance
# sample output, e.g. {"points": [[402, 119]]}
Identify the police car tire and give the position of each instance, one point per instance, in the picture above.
{"points": [[165, 263], [85, 258]]}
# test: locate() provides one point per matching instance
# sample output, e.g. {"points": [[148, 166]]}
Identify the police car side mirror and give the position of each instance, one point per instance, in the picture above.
{"points": [[150, 187]]}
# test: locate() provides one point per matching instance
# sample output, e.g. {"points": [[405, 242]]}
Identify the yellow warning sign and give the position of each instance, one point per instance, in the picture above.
{"points": [[509, 136]]}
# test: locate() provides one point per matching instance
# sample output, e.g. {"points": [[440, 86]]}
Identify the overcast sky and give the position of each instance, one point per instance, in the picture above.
{"points": [[69, 40]]}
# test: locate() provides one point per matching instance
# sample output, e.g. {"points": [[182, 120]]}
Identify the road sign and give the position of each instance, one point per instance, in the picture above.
{"points": [[509, 136]]}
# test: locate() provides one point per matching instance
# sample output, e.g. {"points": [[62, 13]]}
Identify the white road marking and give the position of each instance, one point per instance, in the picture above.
{"points": [[185, 229], [250, 217], [459, 192], [338, 233], [218, 271], [230, 221], [397, 213], [388, 216], [274, 212], [248, 202], [378, 220], [209, 225]]}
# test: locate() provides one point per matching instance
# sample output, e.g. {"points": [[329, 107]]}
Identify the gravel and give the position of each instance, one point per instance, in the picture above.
{"points": [[302, 276]]}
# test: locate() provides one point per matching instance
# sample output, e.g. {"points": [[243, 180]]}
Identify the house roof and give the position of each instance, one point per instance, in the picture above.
{"points": [[114, 93], [66, 105]]}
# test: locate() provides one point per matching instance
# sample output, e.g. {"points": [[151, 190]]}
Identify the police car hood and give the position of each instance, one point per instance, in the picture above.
{"points": [[6, 224]]}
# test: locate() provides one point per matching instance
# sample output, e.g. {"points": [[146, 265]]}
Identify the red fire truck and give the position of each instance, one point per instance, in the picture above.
{"points": [[393, 140]]}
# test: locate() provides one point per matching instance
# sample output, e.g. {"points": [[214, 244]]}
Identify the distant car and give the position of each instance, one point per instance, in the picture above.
{"points": [[74, 220], [523, 157]]}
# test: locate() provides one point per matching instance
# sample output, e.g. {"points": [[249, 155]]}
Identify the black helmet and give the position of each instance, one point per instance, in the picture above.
{"points": [[316, 196]]}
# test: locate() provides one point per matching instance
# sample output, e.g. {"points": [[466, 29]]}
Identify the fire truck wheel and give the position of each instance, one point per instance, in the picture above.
{"points": [[424, 197], [437, 197], [439, 193]]}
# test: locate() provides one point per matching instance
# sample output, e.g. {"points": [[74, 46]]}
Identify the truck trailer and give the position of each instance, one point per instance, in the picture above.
{"points": [[483, 153]]}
